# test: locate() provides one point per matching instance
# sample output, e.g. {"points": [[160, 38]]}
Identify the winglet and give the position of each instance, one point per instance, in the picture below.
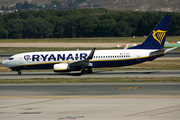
{"points": [[91, 54]]}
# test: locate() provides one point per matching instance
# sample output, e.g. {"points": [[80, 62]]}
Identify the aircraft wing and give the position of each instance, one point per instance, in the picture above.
{"points": [[84, 62]]}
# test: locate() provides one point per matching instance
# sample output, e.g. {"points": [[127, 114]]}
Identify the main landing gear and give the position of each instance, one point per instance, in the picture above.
{"points": [[88, 71], [19, 72]]}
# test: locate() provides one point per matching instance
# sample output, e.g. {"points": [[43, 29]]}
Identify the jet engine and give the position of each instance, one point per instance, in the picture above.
{"points": [[62, 67]]}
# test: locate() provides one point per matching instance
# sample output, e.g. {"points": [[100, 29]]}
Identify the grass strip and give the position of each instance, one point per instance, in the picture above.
{"points": [[92, 80], [90, 40]]}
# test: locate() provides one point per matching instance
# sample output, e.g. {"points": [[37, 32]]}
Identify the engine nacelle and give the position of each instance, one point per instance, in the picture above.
{"points": [[61, 67]]}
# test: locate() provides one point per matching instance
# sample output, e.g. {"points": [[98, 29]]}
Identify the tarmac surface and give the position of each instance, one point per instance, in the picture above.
{"points": [[79, 89], [114, 101], [95, 74]]}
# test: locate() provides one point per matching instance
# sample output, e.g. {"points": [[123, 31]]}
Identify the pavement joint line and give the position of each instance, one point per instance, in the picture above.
{"points": [[26, 104], [166, 112], [150, 112]]}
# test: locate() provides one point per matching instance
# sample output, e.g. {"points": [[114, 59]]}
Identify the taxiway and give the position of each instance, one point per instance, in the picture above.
{"points": [[95, 74], [114, 101]]}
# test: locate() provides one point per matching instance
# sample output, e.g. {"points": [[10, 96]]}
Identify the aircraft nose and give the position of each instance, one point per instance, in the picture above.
{"points": [[4, 63]]}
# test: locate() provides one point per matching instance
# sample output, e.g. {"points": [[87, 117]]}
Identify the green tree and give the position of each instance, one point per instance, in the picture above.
{"points": [[38, 28], [123, 29], [106, 27], [19, 6], [52, 12], [15, 28], [42, 13], [72, 27], [1, 20], [87, 25], [11, 16], [26, 6], [25, 15], [60, 28], [3, 8], [133, 20], [33, 13], [174, 26], [7, 8], [147, 23], [59, 24], [3, 33]]}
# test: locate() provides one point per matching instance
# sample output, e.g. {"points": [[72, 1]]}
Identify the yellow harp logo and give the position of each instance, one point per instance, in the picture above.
{"points": [[158, 35]]}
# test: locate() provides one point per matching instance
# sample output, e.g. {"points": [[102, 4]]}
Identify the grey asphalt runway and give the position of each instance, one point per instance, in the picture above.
{"points": [[90, 89], [114, 101], [118, 101], [95, 74]]}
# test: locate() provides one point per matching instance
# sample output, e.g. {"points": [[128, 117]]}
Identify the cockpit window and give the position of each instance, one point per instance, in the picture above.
{"points": [[11, 58]]}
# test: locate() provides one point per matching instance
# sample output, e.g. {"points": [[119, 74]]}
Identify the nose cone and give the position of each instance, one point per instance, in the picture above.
{"points": [[4, 63]]}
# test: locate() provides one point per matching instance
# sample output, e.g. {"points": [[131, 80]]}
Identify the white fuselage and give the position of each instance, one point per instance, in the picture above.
{"points": [[101, 58]]}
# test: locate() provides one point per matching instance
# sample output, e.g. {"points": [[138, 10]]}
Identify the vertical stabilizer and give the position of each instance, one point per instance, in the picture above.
{"points": [[156, 38]]}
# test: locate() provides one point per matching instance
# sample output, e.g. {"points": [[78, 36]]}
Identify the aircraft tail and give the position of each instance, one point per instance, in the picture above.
{"points": [[156, 38]]}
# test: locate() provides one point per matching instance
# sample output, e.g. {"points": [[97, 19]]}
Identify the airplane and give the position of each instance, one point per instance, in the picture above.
{"points": [[85, 60]]}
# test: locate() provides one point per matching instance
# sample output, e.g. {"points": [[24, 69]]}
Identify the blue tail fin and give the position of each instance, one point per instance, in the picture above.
{"points": [[156, 38]]}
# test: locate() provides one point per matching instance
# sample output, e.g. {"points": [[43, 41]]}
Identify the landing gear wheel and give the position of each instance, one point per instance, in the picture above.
{"points": [[83, 71], [19, 72], [89, 71]]}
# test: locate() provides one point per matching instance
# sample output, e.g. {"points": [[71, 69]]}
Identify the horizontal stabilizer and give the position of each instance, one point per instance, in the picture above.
{"points": [[157, 52], [167, 50]]}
